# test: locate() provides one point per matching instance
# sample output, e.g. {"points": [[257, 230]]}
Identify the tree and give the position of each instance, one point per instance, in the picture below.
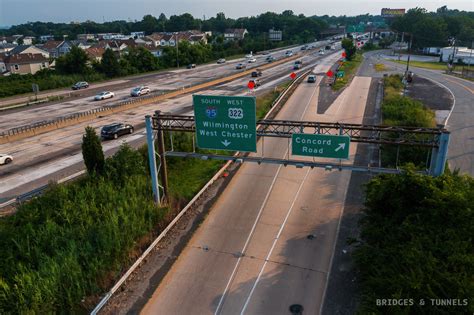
{"points": [[349, 47], [109, 64], [149, 24], [74, 62], [92, 152]]}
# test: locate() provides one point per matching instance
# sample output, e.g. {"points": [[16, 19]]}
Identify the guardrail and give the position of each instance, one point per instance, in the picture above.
{"points": [[37, 191], [64, 121], [277, 104]]}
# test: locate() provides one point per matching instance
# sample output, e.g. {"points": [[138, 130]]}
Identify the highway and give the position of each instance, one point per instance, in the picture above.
{"points": [[56, 154], [268, 240], [158, 83]]}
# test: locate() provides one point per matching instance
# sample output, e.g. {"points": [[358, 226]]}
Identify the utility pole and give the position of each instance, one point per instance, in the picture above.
{"points": [[409, 50], [177, 49]]}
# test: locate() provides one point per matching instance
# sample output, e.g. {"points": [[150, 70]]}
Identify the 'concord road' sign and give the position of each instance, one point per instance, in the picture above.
{"points": [[225, 122], [328, 146]]}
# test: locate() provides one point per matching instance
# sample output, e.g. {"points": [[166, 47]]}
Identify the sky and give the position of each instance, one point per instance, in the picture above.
{"points": [[14, 12]]}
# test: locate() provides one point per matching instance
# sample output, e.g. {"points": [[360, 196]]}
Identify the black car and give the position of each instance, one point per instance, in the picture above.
{"points": [[80, 85], [116, 130], [256, 73]]}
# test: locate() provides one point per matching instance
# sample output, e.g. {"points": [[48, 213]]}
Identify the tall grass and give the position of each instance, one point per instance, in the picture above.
{"points": [[64, 245], [399, 110]]}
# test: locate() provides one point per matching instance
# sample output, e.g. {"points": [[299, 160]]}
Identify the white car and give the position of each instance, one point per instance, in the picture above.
{"points": [[321, 52], [249, 55], [252, 60], [220, 61], [289, 53], [104, 95], [5, 159]]}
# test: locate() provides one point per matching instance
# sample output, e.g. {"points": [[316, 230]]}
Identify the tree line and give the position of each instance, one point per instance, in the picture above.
{"points": [[292, 25], [436, 29]]}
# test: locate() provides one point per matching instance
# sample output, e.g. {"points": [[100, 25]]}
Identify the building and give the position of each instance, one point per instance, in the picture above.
{"points": [[458, 55], [436, 51], [25, 63], [85, 37], [155, 39], [44, 38], [28, 40], [95, 53], [137, 34], [6, 47], [235, 33], [3, 67], [275, 35], [52, 47], [28, 49]]}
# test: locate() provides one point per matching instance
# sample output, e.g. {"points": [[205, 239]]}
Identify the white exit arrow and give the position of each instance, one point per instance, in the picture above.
{"points": [[341, 146], [225, 142]]}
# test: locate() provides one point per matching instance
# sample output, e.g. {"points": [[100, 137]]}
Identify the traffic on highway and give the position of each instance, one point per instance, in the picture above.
{"points": [[240, 162]]}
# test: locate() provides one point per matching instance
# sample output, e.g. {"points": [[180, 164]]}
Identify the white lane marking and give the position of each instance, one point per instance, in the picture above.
{"points": [[231, 278], [275, 241], [328, 274], [438, 83], [452, 94]]}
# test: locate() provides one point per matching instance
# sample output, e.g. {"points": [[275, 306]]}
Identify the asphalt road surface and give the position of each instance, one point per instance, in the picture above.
{"points": [[158, 83], [50, 156], [269, 239], [459, 120]]}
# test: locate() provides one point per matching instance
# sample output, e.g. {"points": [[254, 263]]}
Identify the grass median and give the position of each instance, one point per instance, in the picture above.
{"points": [[349, 68]]}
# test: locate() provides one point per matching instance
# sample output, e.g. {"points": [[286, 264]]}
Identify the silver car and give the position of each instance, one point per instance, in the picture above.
{"points": [[140, 90], [103, 95]]}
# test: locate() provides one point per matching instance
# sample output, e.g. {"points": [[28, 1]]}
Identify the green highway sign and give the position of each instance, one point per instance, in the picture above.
{"points": [[327, 146], [225, 122]]}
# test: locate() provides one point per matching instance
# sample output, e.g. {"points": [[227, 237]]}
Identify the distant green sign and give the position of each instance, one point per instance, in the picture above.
{"points": [[327, 146], [340, 74], [225, 122]]}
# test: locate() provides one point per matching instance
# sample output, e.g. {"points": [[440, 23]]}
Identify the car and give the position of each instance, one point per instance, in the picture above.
{"points": [[240, 66], [5, 159], [249, 55], [80, 85], [256, 82], [113, 131], [321, 52], [311, 78], [256, 73], [221, 60], [252, 60], [289, 53], [191, 66], [140, 90], [304, 47], [270, 59], [297, 66], [104, 95]]}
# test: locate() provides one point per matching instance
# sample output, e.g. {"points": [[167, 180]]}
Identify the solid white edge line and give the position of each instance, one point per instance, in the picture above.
{"points": [[328, 274], [436, 82], [275, 240], [264, 203], [258, 216]]}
